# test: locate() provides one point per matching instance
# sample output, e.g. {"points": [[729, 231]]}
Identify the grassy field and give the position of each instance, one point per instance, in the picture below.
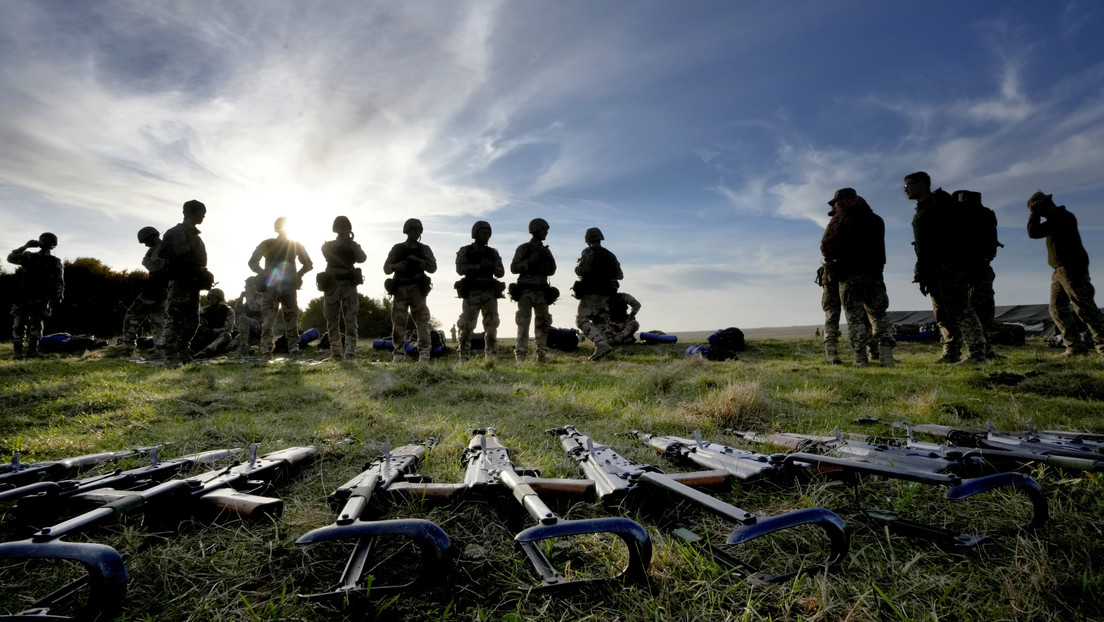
{"points": [[236, 570]]}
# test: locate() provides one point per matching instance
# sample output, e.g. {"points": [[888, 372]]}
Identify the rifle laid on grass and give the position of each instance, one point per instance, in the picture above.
{"points": [[227, 489], [959, 471], [352, 500], [1068, 451], [16, 473], [616, 478]]}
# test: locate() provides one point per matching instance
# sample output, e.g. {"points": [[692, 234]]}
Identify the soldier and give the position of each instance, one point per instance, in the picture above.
{"points": [[279, 283], [622, 325], [248, 315], [941, 269], [1071, 292], [979, 251], [599, 272], [150, 302], [184, 257], [853, 246], [41, 282], [338, 283], [216, 326], [480, 289], [410, 261], [533, 263]]}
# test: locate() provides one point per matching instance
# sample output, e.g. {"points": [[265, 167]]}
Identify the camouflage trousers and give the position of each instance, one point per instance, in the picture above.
{"points": [[622, 334], [477, 302], [1072, 296], [181, 320], [247, 330], [145, 306], [214, 342], [341, 304], [532, 305], [982, 297], [410, 302], [959, 327], [593, 314], [865, 301], [277, 299], [830, 303], [28, 317]]}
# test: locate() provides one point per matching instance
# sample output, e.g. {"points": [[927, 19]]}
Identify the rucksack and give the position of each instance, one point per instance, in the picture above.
{"points": [[979, 231]]}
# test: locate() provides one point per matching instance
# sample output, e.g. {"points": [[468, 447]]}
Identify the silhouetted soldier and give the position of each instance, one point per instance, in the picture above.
{"points": [[150, 302], [481, 267], [184, 256], [280, 283], [40, 281], [1071, 291], [853, 246], [622, 326], [216, 326], [599, 273], [979, 249], [938, 231], [248, 316], [533, 263], [411, 262], [338, 283]]}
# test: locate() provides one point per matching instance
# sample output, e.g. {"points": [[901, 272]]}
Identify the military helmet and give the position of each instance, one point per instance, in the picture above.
{"points": [[216, 293], [341, 224], [47, 240], [594, 234], [194, 207], [537, 224], [480, 224], [412, 223], [147, 233]]}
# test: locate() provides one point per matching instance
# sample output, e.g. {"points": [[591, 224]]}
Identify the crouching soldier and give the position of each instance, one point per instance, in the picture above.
{"points": [[411, 262], [40, 280], [216, 326], [533, 263], [481, 267], [338, 283], [622, 326]]}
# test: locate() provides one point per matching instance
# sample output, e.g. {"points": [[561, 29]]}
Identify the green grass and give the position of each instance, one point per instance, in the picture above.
{"points": [[233, 570]]}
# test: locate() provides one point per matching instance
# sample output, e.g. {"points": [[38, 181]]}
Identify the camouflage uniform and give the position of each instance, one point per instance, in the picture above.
{"points": [[533, 263], [942, 272], [598, 271], [1072, 295], [41, 285], [185, 259], [409, 262], [215, 331], [247, 318], [150, 302], [980, 248], [281, 283], [622, 326], [481, 266], [340, 302]]}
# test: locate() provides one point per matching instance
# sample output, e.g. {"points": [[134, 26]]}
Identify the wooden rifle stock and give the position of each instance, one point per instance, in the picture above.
{"points": [[243, 504]]}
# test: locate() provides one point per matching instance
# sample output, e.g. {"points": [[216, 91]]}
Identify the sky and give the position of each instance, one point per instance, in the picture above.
{"points": [[703, 138]]}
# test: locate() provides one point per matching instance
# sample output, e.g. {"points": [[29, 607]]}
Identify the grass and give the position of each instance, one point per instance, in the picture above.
{"points": [[234, 570]]}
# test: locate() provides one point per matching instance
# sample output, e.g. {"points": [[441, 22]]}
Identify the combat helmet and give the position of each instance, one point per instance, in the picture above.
{"points": [[480, 224], [216, 293], [537, 224], [594, 234], [412, 223], [147, 233], [341, 224], [47, 240]]}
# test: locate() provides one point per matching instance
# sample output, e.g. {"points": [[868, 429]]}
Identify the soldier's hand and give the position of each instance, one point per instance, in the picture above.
{"points": [[923, 289], [400, 267], [31, 244]]}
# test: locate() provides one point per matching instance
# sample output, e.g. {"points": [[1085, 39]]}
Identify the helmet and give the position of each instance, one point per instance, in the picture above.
{"points": [[594, 234], [279, 224], [194, 207], [47, 240], [480, 224], [537, 224], [410, 224], [216, 293], [341, 224], [147, 233]]}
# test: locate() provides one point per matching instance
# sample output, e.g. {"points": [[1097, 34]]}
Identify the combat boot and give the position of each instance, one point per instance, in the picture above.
{"points": [[601, 350], [885, 354], [831, 354], [861, 360], [542, 357], [32, 350], [17, 345]]}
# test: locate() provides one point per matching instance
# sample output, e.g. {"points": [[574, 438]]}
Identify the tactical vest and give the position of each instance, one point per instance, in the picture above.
{"points": [[216, 317], [603, 269]]}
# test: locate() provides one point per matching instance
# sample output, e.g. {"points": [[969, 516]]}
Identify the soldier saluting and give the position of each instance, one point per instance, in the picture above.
{"points": [[533, 263], [481, 267], [411, 262], [41, 285]]}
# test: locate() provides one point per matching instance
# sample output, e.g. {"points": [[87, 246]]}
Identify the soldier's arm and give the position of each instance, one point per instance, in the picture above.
{"points": [[255, 259], [550, 259], [1036, 228], [394, 258], [61, 281], [429, 263], [633, 303], [359, 256], [463, 266], [231, 321], [521, 260], [585, 263], [617, 269], [499, 271], [304, 259]]}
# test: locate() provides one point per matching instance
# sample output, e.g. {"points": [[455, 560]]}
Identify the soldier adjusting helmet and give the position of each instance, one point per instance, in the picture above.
{"points": [[146, 234], [341, 224], [47, 240], [594, 234], [412, 223], [480, 224], [537, 224], [1040, 198]]}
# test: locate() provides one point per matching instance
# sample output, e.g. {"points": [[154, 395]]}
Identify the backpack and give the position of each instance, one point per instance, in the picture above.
{"points": [[979, 233]]}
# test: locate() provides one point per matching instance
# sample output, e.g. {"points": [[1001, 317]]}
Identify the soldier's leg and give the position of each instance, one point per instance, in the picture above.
{"points": [[830, 303], [950, 337], [1082, 297], [982, 297], [490, 326], [465, 325], [270, 304], [350, 305], [19, 323], [419, 310], [851, 297], [876, 302], [331, 311], [957, 297], [522, 317], [289, 304], [181, 321], [542, 321], [589, 320], [1062, 313], [400, 315]]}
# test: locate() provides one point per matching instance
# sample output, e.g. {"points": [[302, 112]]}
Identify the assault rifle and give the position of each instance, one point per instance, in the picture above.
{"points": [[18, 473], [106, 577], [352, 498], [940, 466], [616, 477]]}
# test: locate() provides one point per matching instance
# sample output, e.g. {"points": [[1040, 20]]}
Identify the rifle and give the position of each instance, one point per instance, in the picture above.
{"points": [[106, 577], [922, 463], [18, 473], [616, 477], [352, 499]]}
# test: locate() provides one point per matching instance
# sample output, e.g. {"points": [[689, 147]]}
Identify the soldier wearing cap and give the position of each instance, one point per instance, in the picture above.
{"points": [[411, 262], [338, 283], [853, 246], [184, 257], [150, 302], [216, 326], [1071, 291], [280, 282], [41, 285], [533, 263], [942, 269], [599, 274], [481, 267]]}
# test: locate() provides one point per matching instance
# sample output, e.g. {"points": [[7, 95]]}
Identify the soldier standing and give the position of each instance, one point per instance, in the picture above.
{"points": [[1071, 291], [41, 282], [216, 326], [533, 263], [184, 257], [338, 283], [481, 267], [599, 272], [622, 326], [979, 251], [280, 282], [411, 262], [150, 302], [853, 246], [939, 242]]}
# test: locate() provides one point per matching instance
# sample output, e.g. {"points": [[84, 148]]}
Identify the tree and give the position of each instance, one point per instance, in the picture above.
{"points": [[373, 317]]}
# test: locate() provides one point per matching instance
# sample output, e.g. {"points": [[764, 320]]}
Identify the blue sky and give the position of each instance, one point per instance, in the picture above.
{"points": [[702, 138]]}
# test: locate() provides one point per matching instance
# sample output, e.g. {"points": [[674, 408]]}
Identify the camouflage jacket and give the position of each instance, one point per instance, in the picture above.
{"points": [[417, 260], [534, 262], [854, 240], [280, 255], [479, 261], [181, 250], [598, 266], [41, 276], [1063, 241], [341, 257]]}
